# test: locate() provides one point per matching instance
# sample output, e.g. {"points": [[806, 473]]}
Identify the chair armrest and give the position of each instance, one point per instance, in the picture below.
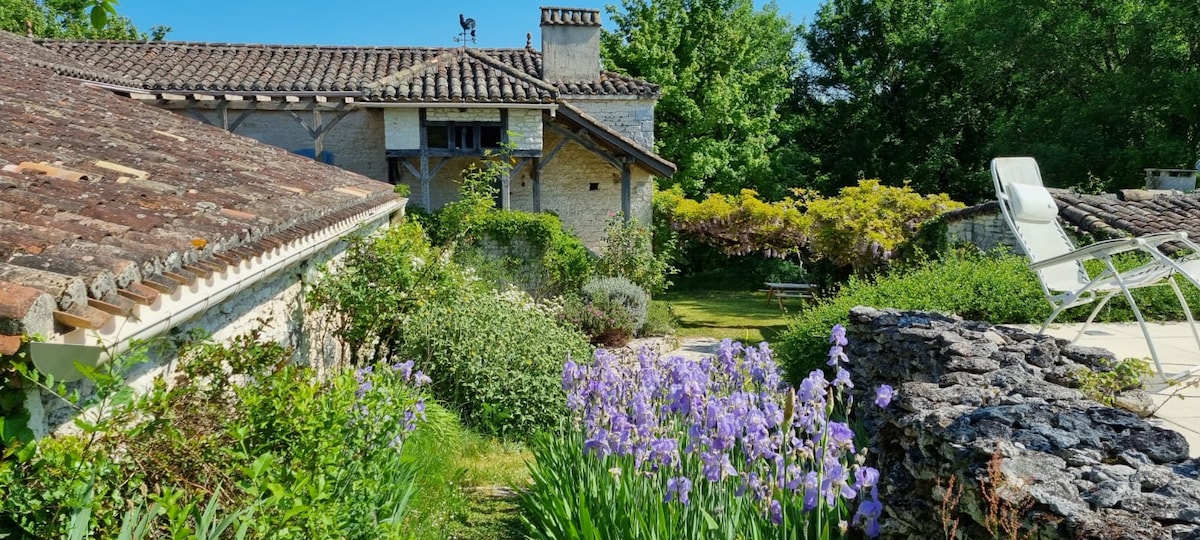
{"points": [[1157, 239], [1107, 247]]}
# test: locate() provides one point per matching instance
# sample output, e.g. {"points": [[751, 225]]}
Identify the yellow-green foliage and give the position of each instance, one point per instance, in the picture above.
{"points": [[859, 228], [864, 224], [740, 224]]}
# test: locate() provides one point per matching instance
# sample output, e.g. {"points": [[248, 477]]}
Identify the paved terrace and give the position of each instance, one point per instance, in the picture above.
{"points": [[1180, 403]]}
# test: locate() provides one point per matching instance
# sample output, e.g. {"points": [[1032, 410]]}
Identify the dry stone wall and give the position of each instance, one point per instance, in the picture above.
{"points": [[968, 393]]}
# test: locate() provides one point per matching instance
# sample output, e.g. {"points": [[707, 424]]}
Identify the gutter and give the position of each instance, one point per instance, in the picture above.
{"points": [[191, 301], [552, 107]]}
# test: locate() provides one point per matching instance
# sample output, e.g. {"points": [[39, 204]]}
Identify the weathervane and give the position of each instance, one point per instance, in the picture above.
{"points": [[468, 30]]}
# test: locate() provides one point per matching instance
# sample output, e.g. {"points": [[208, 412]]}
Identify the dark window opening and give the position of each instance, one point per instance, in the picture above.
{"points": [[438, 136], [594, 186], [490, 136], [464, 136]]}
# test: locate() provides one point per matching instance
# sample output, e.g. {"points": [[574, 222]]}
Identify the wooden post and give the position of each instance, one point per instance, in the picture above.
{"points": [[425, 198], [626, 188], [318, 135], [535, 175], [505, 189]]}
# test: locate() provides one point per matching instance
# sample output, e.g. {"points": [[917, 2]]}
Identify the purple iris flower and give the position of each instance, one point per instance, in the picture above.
{"points": [[884, 395], [678, 488], [843, 379], [775, 511], [405, 369], [421, 379]]}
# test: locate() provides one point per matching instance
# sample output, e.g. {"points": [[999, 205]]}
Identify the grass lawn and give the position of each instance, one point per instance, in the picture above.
{"points": [[741, 315]]}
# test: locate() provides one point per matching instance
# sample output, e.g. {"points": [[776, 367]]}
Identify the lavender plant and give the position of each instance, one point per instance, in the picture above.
{"points": [[715, 448]]}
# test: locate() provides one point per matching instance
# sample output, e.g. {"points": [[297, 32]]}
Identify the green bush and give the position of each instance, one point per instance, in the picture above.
{"points": [[660, 320], [621, 292], [997, 288], [544, 258], [381, 280], [628, 252], [497, 363], [290, 454], [605, 322]]}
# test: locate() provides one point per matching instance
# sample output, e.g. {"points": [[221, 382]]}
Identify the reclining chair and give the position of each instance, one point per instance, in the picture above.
{"points": [[1032, 215]]}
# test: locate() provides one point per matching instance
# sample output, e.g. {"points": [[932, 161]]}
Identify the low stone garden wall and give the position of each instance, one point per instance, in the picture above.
{"points": [[971, 394]]}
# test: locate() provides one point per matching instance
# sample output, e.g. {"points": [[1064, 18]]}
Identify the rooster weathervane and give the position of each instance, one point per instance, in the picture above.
{"points": [[468, 29]]}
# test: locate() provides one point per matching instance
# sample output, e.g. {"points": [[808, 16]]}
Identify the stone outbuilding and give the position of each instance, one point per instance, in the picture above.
{"points": [[1130, 212], [582, 138]]}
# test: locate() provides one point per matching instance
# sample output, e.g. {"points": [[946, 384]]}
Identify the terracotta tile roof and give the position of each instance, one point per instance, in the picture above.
{"points": [[1132, 212], [104, 200], [460, 75], [614, 138], [170, 66]]}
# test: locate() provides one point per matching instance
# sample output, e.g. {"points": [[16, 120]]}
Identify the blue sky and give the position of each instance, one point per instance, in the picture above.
{"points": [[501, 23]]}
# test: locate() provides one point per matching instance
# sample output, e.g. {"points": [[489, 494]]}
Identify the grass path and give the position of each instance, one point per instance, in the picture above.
{"points": [[741, 315]]}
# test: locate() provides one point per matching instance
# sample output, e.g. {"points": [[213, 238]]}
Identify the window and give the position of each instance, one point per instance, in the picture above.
{"points": [[464, 135]]}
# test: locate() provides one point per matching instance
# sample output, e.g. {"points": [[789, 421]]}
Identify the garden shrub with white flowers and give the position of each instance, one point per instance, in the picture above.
{"points": [[717, 448]]}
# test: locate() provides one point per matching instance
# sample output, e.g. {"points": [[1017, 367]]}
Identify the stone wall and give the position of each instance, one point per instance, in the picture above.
{"points": [[968, 391], [567, 184], [275, 307], [982, 225], [356, 142], [633, 118]]}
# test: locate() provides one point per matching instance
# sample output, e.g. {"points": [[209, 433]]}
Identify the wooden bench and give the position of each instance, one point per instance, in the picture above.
{"points": [[779, 291]]}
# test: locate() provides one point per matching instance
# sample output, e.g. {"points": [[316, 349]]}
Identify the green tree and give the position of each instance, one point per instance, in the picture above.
{"points": [[1089, 87], [927, 92], [72, 19], [882, 98], [724, 67]]}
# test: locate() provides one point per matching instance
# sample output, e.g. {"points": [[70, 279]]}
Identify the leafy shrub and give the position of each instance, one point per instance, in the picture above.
{"points": [[678, 448], [531, 250], [622, 292], [860, 228], [1112, 378], [381, 280], [497, 363], [998, 289], [660, 320], [864, 225], [628, 252], [288, 455], [604, 321]]}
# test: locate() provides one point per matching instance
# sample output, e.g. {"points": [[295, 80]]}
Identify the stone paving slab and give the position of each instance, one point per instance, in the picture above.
{"points": [[1179, 402]]}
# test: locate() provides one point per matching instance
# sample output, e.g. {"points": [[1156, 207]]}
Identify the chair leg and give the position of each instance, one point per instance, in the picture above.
{"points": [[1100, 305], [1137, 313], [1187, 312]]}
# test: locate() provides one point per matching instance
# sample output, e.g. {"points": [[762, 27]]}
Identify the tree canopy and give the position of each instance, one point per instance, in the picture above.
{"points": [[928, 91], [724, 67], [923, 92], [72, 19]]}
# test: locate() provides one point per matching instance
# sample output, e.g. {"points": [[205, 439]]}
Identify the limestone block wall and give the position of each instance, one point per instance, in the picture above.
{"points": [[633, 118], [402, 128], [356, 142], [279, 302], [972, 396], [981, 225], [567, 184], [525, 127]]}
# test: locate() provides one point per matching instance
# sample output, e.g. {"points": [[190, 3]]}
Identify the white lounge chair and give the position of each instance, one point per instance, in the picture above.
{"points": [[1031, 213]]}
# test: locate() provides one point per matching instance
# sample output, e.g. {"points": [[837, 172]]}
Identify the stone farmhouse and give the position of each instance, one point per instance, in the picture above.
{"points": [[583, 137], [120, 221]]}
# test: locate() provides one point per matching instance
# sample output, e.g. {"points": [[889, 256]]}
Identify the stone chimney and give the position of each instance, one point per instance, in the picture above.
{"points": [[570, 44]]}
